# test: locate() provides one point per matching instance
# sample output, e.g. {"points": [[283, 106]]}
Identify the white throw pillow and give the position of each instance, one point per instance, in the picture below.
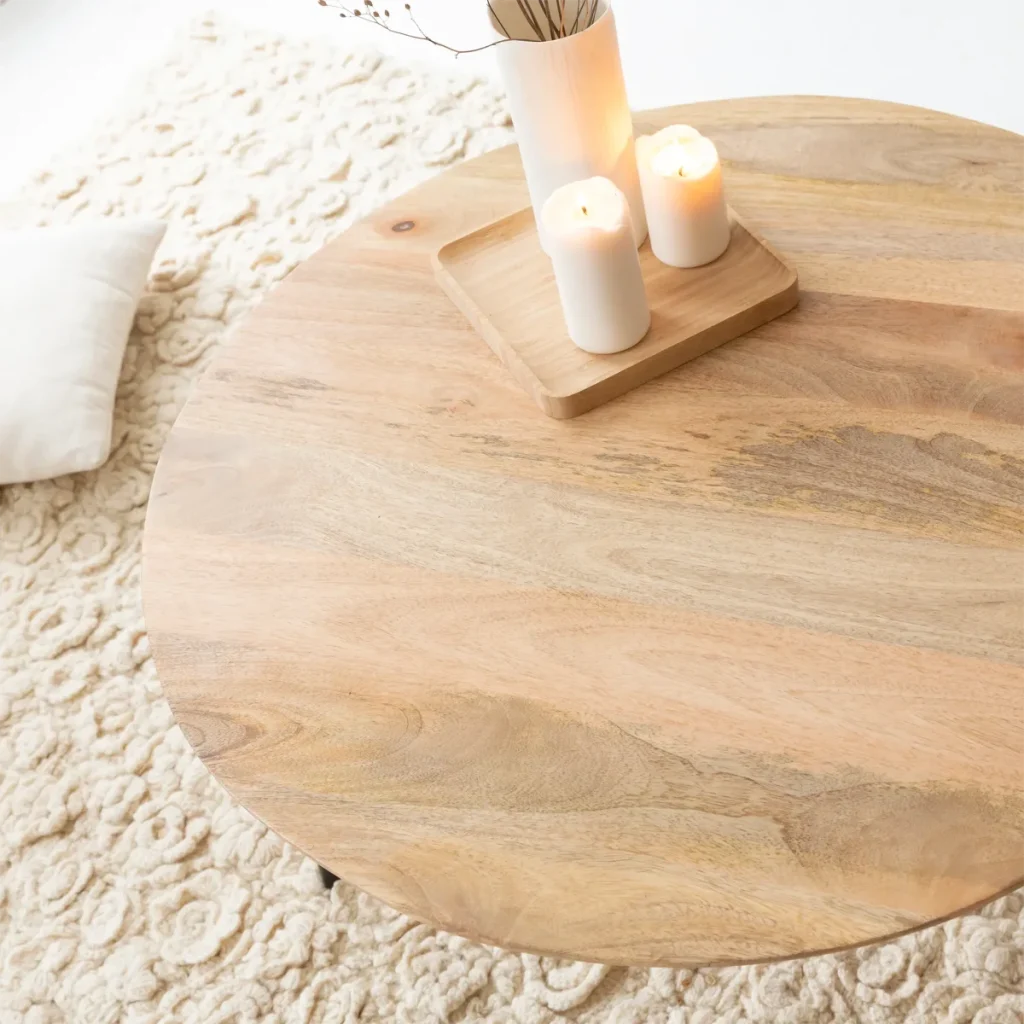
{"points": [[67, 302]]}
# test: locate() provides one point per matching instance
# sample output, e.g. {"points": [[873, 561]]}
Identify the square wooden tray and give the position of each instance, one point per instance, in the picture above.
{"points": [[502, 281]]}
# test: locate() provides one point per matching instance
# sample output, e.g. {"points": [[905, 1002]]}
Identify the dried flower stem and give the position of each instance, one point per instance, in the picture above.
{"points": [[531, 18], [545, 6], [545, 21], [383, 20], [494, 15]]}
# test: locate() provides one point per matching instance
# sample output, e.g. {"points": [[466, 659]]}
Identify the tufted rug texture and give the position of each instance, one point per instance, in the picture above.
{"points": [[133, 890]]}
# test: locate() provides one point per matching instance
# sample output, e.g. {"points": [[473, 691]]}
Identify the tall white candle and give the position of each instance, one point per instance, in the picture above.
{"points": [[590, 240], [681, 180]]}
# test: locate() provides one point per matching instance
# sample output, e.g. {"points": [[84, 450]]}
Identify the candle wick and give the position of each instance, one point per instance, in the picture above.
{"points": [[584, 211]]}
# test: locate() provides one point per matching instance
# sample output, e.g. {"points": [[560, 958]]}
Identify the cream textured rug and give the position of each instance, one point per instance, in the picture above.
{"points": [[132, 889]]}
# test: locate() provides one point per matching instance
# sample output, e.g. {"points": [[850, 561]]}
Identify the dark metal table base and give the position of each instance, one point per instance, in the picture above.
{"points": [[327, 878]]}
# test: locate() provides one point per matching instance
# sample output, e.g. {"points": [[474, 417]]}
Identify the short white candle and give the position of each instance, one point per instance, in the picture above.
{"points": [[681, 180], [589, 236]]}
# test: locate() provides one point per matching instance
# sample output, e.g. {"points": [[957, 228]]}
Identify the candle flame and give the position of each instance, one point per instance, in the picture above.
{"points": [[589, 206], [691, 158]]}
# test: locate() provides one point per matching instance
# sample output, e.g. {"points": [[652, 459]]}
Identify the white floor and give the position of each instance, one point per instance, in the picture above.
{"points": [[64, 64]]}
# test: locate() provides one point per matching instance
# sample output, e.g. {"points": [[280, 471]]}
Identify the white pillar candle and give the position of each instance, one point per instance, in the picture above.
{"points": [[590, 240], [681, 179]]}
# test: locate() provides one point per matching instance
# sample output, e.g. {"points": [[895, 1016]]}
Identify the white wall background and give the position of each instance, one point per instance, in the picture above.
{"points": [[63, 63]]}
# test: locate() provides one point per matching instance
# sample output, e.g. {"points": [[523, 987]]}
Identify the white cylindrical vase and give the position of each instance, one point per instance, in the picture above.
{"points": [[568, 102]]}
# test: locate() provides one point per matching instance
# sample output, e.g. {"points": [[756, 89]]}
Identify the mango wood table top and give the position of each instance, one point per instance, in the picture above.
{"points": [[728, 669]]}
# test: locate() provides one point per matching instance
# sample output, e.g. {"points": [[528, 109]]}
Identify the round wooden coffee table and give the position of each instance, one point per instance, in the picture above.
{"points": [[728, 669]]}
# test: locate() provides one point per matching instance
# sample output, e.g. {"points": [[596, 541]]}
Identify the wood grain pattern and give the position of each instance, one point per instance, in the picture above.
{"points": [[728, 669], [503, 282]]}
